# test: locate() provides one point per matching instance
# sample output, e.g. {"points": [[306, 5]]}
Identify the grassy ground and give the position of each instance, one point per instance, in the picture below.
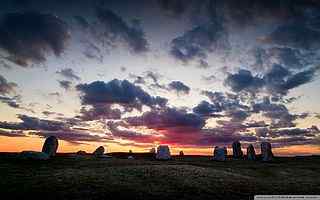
{"points": [[66, 177]]}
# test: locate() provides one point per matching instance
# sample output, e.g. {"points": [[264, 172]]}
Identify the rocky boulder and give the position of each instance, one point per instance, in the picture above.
{"points": [[99, 152], [163, 152], [50, 146], [220, 153]]}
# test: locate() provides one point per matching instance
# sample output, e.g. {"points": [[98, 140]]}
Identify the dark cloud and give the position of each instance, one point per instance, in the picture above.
{"points": [[65, 84], [308, 132], [300, 78], [167, 118], [244, 81], [15, 102], [12, 102], [72, 136], [117, 92], [150, 79], [179, 87], [12, 133], [82, 21], [45, 128], [261, 131], [289, 57], [29, 36], [33, 123], [68, 73], [278, 113], [198, 42], [237, 115], [116, 29], [197, 12], [277, 81], [99, 111], [174, 7], [225, 101], [129, 135], [297, 35], [206, 109], [6, 87]]}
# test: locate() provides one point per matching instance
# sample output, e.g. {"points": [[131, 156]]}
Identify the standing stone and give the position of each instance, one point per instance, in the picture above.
{"points": [[181, 154], [266, 152], [50, 146], [163, 152], [220, 153], [99, 152], [236, 149], [251, 153]]}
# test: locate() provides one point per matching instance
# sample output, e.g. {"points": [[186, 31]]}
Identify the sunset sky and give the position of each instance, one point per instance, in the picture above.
{"points": [[136, 74]]}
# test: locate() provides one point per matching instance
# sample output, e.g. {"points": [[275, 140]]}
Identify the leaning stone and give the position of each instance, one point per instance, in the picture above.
{"points": [[266, 151], [220, 153], [163, 153], [99, 152], [50, 146], [34, 155], [236, 149], [251, 153]]}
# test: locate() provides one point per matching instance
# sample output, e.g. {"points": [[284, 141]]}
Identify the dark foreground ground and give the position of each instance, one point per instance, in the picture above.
{"points": [[66, 177]]}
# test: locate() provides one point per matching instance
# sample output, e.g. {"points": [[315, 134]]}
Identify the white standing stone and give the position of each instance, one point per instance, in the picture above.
{"points": [[50, 146], [163, 152]]}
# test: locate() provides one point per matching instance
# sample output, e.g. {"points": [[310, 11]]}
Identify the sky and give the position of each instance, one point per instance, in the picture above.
{"points": [[131, 75]]}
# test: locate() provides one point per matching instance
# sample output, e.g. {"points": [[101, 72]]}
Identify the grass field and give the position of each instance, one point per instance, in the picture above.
{"points": [[66, 177]]}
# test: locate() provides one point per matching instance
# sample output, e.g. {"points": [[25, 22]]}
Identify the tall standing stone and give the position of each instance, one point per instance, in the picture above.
{"points": [[99, 152], [50, 146], [181, 154], [219, 153], [251, 153], [236, 149], [163, 152], [266, 151]]}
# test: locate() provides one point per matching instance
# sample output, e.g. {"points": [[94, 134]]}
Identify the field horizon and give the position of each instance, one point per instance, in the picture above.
{"points": [[68, 176]]}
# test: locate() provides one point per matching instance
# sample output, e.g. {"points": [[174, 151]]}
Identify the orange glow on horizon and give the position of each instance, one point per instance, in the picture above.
{"points": [[18, 144]]}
